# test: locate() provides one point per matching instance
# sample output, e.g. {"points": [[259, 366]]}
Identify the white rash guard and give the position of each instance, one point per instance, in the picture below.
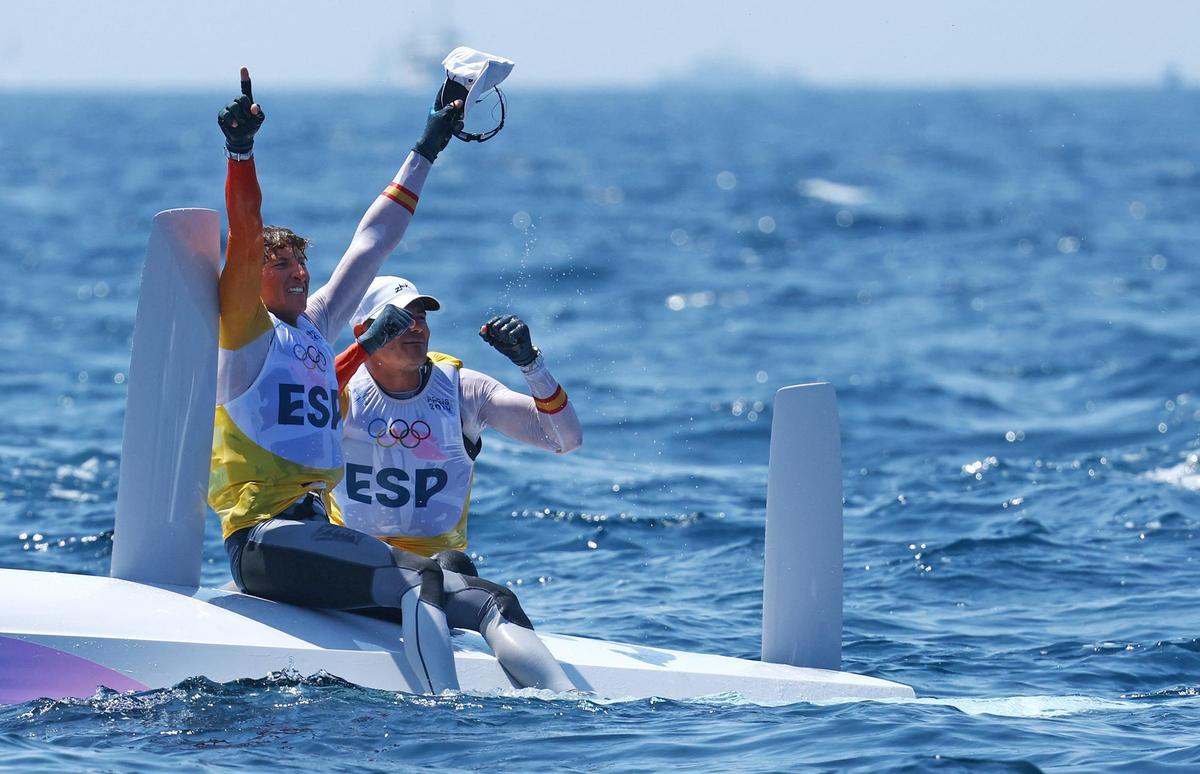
{"points": [[408, 470]]}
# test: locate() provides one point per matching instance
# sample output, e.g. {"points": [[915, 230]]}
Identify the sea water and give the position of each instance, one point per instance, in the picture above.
{"points": [[1003, 286]]}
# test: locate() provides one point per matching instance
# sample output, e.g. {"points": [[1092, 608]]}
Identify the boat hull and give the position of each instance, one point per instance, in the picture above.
{"points": [[65, 635]]}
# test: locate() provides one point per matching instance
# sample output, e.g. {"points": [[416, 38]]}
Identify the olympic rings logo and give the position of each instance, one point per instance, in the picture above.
{"points": [[388, 434], [311, 357]]}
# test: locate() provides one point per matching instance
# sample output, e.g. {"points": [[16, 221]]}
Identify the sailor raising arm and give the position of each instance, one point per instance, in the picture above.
{"points": [[398, 394], [277, 451], [412, 430]]}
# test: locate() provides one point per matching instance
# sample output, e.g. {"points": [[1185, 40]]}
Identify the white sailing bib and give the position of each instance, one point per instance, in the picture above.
{"points": [[407, 470], [292, 408]]}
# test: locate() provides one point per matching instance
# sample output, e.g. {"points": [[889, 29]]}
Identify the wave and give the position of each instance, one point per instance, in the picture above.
{"points": [[833, 193], [1185, 475], [1027, 706], [200, 691]]}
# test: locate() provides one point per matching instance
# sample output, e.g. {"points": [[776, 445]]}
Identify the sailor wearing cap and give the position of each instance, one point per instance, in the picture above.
{"points": [[414, 422], [412, 430]]}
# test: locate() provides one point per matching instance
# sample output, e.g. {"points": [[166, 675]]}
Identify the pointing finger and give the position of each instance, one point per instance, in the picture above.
{"points": [[246, 83]]}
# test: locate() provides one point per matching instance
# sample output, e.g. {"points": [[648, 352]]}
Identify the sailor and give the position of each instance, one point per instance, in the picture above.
{"points": [[415, 418], [413, 428], [277, 451]]}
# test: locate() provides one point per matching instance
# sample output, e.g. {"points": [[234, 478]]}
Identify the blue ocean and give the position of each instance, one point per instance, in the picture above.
{"points": [[1002, 285]]}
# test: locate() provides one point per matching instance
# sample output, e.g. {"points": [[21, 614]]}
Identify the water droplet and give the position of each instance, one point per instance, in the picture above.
{"points": [[1068, 245]]}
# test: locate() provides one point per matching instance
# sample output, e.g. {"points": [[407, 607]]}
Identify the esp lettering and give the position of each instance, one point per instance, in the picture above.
{"points": [[392, 491], [318, 407]]}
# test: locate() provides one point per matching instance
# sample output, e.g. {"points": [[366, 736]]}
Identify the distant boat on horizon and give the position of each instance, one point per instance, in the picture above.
{"points": [[417, 66], [1171, 78]]}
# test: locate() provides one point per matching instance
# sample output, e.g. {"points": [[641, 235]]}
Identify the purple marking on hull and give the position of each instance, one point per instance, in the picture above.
{"points": [[31, 671]]}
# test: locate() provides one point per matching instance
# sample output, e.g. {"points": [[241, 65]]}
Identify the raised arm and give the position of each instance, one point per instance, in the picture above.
{"points": [[382, 227], [243, 315], [545, 417]]}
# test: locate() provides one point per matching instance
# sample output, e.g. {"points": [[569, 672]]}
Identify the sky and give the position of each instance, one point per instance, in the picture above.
{"points": [[121, 45]]}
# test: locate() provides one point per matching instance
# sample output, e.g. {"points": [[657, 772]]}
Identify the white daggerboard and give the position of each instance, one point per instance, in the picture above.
{"points": [[159, 530], [802, 568]]}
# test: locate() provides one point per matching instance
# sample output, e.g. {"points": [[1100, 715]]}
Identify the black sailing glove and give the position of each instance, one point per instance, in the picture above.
{"points": [[238, 122], [439, 127], [390, 323], [510, 337]]}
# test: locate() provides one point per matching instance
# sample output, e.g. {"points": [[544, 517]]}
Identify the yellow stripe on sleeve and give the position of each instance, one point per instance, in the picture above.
{"points": [[402, 196], [554, 404]]}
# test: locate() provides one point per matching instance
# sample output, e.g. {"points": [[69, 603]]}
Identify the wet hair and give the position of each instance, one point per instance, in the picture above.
{"points": [[275, 237]]}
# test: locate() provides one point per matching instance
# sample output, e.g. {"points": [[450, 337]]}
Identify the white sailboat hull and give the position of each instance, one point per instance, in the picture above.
{"points": [[65, 635]]}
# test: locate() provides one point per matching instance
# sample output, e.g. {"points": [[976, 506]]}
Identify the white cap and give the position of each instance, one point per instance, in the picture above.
{"points": [[477, 71], [396, 291]]}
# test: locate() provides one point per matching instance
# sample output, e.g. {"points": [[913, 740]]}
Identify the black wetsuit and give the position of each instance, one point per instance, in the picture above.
{"points": [[301, 558]]}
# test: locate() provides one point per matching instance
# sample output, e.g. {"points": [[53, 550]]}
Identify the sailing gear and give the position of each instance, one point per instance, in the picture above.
{"points": [[509, 336]]}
